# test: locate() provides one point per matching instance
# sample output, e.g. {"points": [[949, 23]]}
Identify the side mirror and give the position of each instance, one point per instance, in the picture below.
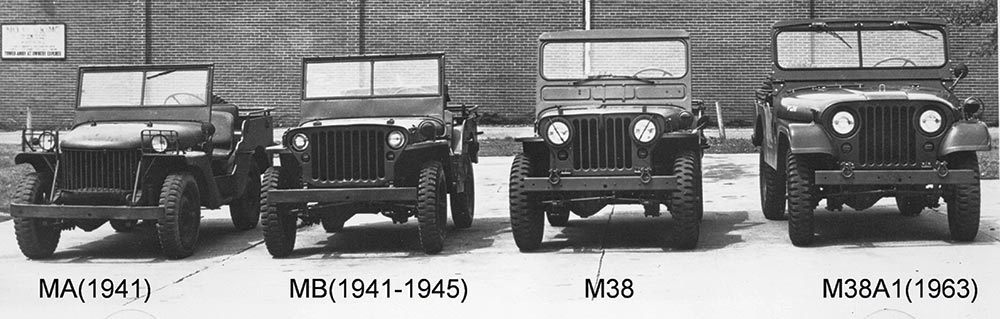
{"points": [[960, 71]]}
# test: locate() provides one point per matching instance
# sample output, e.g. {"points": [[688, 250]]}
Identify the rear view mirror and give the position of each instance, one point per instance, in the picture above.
{"points": [[960, 71]]}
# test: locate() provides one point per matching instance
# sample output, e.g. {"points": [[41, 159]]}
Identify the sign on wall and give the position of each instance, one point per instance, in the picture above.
{"points": [[33, 41]]}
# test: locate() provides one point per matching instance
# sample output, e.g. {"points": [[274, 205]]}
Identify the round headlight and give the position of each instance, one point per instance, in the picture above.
{"points": [[47, 141], [300, 142], [931, 121], [395, 139], [158, 143], [644, 130], [843, 122], [558, 133]]}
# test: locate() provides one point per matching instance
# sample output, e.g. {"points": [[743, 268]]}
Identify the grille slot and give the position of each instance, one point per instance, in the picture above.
{"points": [[887, 136], [98, 169], [348, 155], [606, 146]]}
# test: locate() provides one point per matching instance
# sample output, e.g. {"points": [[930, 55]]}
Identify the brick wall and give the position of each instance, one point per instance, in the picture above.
{"points": [[257, 46]]}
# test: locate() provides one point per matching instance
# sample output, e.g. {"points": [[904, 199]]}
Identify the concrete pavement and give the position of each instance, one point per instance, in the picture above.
{"points": [[744, 265]]}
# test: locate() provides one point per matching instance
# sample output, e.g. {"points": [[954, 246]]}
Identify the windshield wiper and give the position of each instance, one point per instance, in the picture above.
{"points": [[826, 29], [161, 73], [906, 25], [612, 76]]}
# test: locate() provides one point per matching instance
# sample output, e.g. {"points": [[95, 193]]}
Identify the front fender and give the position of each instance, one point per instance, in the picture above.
{"points": [[965, 136], [808, 138], [44, 163]]}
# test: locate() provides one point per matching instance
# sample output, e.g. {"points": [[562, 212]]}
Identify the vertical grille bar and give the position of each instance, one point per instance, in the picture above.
{"points": [[601, 144], [887, 135], [348, 154], [98, 169]]}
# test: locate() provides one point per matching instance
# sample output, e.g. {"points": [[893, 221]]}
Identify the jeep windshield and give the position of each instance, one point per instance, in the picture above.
{"points": [[637, 60], [385, 78], [823, 48], [169, 87]]}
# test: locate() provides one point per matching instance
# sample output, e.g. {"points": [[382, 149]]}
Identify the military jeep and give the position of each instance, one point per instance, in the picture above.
{"points": [[376, 136], [615, 124], [149, 143], [857, 110]]}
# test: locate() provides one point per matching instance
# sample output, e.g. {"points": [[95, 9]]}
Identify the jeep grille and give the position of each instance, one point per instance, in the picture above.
{"points": [[607, 146], [98, 169], [887, 136], [348, 154]]}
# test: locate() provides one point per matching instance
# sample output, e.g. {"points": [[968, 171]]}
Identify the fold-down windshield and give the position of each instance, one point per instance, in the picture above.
{"points": [[614, 59], [387, 78], [143, 88], [823, 48]]}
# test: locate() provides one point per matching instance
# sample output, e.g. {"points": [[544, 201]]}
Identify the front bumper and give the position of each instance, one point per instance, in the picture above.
{"points": [[86, 212], [600, 183], [329, 195], [895, 177]]}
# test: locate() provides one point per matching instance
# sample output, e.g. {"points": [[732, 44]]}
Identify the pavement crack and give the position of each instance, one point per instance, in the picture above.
{"points": [[600, 262], [197, 271]]}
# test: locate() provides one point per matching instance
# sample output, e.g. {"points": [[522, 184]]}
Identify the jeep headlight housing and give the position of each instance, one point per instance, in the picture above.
{"points": [[47, 141], [558, 133], [843, 123], [644, 130], [395, 139], [159, 143], [931, 121], [299, 142]]}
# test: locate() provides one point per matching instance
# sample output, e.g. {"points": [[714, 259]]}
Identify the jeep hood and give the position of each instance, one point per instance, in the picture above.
{"points": [[597, 108], [799, 105], [126, 135]]}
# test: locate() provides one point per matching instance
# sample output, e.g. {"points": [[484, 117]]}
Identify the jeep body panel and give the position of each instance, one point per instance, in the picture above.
{"points": [[125, 135]]}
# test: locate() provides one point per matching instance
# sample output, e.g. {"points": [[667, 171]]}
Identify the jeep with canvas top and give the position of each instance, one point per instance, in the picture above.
{"points": [[860, 109], [615, 124], [148, 143], [376, 136]]}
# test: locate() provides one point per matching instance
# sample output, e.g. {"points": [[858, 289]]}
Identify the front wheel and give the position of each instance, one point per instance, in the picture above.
{"points": [[278, 220], [801, 203], [245, 209], [526, 217], [432, 207], [463, 205], [181, 202], [772, 190], [685, 206], [963, 207], [36, 238]]}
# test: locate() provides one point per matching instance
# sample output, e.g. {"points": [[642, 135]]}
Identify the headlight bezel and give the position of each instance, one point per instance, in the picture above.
{"points": [[51, 138], [551, 127], [942, 121], [389, 139], [159, 143], [299, 142], [657, 131], [854, 125]]}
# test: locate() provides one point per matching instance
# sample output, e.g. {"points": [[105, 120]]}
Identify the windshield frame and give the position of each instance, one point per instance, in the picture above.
{"points": [[373, 59], [860, 46], [682, 41], [208, 68]]}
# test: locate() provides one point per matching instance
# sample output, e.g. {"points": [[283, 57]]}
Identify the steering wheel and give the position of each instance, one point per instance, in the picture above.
{"points": [[665, 73], [905, 61], [175, 95]]}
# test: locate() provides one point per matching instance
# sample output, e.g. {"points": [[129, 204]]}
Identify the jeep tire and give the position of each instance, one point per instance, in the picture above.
{"points": [[463, 205], [772, 190], [685, 206], [801, 190], [245, 209], [181, 202], [964, 204], [526, 216], [278, 222], [35, 238], [432, 209]]}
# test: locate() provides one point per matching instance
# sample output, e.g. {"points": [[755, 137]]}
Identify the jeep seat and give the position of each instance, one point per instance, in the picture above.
{"points": [[224, 121]]}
